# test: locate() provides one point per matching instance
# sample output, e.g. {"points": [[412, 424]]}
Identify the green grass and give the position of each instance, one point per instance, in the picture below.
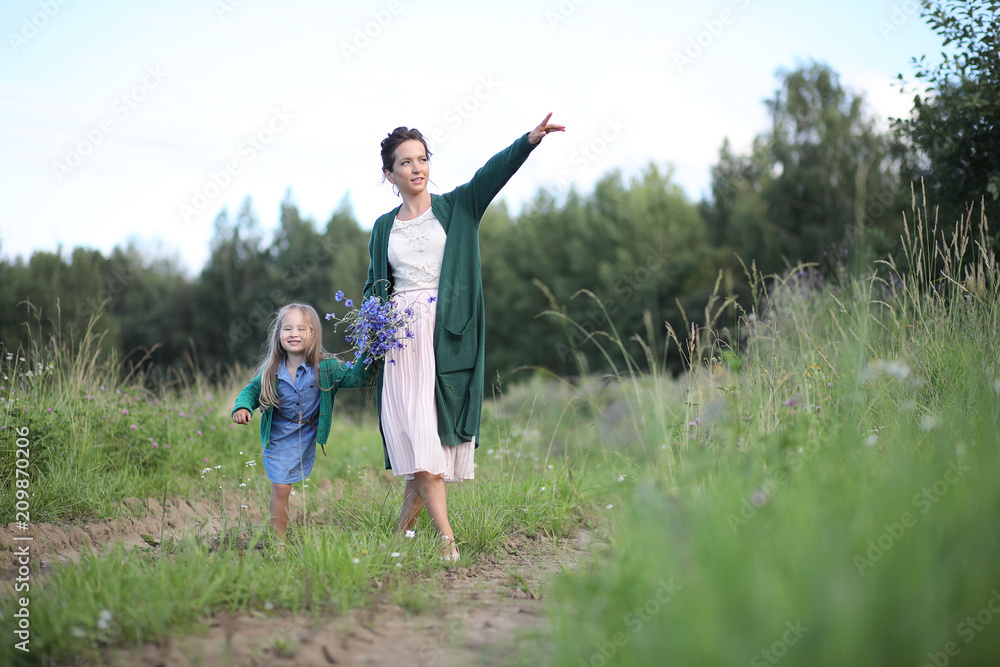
{"points": [[86, 459], [819, 488], [833, 498]]}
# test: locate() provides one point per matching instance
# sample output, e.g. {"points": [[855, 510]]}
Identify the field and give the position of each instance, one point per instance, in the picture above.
{"points": [[818, 489]]}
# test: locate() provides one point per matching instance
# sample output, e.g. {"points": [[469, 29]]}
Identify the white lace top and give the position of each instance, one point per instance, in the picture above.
{"points": [[416, 248]]}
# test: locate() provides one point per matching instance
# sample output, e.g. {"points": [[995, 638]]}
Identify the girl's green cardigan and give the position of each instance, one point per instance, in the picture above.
{"points": [[459, 340], [333, 375]]}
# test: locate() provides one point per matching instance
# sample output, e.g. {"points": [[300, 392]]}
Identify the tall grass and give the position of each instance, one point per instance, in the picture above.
{"points": [[97, 439], [830, 496]]}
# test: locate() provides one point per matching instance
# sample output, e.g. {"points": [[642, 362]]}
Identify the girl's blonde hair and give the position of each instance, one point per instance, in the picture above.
{"points": [[276, 355]]}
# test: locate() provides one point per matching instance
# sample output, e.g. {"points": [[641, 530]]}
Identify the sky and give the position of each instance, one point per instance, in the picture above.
{"points": [[138, 122]]}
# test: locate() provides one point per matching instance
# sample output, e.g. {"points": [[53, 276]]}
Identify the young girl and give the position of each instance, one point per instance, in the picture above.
{"points": [[294, 388]]}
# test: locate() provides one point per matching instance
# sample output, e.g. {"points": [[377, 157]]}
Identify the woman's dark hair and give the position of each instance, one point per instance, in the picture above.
{"points": [[393, 140]]}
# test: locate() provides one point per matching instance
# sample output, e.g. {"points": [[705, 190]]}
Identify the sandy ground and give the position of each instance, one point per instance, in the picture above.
{"points": [[475, 617], [481, 611]]}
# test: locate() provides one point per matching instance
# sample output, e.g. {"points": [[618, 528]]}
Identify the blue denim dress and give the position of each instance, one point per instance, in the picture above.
{"points": [[292, 450]]}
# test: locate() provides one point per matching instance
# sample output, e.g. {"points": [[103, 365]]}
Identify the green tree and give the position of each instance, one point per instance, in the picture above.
{"points": [[232, 301], [637, 247], [821, 179], [150, 299], [55, 297], [345, 246], [955, 121], [309, 266]]}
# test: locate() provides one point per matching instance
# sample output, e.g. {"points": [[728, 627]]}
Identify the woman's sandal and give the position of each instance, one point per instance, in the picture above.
{"points": [[451, 550]]}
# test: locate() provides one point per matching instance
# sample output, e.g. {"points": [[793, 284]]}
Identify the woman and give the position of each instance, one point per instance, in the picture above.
{"points": [[425, 253]]}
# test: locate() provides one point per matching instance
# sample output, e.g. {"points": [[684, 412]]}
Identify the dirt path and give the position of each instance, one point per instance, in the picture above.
{"points": [[57, 543], [480, 611], [476, 613]]}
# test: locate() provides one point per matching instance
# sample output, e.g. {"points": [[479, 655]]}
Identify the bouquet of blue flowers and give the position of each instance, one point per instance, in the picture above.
{"points": [[375, 328]]}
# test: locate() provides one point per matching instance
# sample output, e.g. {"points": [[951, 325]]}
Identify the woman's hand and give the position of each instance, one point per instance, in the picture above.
{"points": [[544, 128], [242, 416]]}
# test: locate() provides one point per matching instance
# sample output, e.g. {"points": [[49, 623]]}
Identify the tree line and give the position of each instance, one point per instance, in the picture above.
{"points": [[827, 183]]}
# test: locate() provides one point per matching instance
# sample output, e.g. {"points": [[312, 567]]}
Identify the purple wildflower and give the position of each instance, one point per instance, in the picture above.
{"points": [[339, 296], [349, 303]]}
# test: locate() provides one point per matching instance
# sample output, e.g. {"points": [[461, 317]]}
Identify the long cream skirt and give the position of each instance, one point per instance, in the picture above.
{"points": [[409, 411]]}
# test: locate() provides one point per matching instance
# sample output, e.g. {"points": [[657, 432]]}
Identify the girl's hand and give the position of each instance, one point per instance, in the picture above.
{"points": [[544, 128], [242, 416]]}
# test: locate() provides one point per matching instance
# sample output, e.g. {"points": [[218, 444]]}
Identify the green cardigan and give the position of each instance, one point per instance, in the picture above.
{"points": [[333, 375], [459, 340]]}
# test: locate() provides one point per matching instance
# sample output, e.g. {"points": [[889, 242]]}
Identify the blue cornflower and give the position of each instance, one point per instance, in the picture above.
{"points": [[374, 328], [330, 316], [431, 299], [338, 296]]}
